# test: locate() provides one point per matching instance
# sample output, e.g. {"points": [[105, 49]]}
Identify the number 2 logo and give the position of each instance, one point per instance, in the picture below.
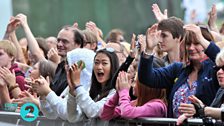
{"points": [[29, 112]]}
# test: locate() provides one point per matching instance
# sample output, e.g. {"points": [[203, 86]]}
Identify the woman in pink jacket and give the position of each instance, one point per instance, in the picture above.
{"points": [[150, 102]]}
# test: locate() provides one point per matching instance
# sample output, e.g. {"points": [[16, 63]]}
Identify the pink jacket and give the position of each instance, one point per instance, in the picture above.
{"points": [[111, 109]]}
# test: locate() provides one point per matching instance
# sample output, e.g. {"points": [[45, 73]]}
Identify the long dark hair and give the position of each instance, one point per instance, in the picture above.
{"points": [[96, 88]]}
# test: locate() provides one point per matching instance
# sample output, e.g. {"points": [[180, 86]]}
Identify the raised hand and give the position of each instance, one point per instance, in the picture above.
{"points": [[158, 14], [152, 38], [22, 18], [13, 25], [142, 42], [92, 27], [73, 75], [212, 19], [53, 56], [122, 81], [133, 50], [196, 29]]}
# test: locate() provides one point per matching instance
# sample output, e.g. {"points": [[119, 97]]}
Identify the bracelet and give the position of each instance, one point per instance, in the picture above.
{"points": [[13, 87], [77, 86]]}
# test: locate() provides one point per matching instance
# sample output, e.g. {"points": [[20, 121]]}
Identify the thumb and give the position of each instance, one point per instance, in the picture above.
{"points": [[35, 95], [165, 12], [13, 72], [27, 93]]}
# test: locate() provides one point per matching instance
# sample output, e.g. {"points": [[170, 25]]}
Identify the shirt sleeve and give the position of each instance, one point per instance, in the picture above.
{"points": [[58, 104], [47, 110], [110, 109], [75, 113], [88, 105], [152, 108]]}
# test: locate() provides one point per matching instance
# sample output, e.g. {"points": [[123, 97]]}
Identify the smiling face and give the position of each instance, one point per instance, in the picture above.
{"points": [[193, 47], [66, 42], [102, 68], [195, 51]]}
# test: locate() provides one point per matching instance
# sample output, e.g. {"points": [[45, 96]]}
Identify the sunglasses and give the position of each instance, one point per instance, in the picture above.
{"points": [[107, 49], [217, 68]]}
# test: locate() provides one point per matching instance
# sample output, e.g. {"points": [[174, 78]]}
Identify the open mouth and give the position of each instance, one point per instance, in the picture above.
{"points": [[100, 74]]}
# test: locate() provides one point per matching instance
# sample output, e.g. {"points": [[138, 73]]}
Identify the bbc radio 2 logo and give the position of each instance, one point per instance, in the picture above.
{"points": [[29, 112]]}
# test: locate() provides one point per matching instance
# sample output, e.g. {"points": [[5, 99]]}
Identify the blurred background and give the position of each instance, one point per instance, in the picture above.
{"points": [[46, 17]]}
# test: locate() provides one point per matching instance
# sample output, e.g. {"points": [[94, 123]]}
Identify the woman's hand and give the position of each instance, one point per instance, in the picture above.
{"points": [[194, 99], [196, 29], [8, 76], [122, 81], [187, 109], [73, 75], [41, 86]]}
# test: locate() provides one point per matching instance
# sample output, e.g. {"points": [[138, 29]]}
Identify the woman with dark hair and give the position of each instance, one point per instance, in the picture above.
{"points": [[78, 103], [105, 65]]}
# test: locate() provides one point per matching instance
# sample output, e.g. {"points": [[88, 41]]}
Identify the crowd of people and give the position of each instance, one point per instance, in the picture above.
{"points": [[174, 70]]}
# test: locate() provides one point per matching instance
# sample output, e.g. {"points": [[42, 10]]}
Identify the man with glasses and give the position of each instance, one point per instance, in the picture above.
{"points": [[68, 38]]}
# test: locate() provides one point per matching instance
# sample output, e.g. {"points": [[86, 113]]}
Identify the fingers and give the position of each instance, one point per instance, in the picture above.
{"points": [[181, 119], [117, 83], [133, 41], [76, 25], [187, 108]]}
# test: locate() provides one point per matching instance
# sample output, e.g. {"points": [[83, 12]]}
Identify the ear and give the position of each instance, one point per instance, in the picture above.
{"points": [[93, 46], [12, 58], [179, 39]]}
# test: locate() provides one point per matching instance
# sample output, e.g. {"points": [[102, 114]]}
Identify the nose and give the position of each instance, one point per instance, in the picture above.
{"points": [[99, 66], [160, 39], [191, 46], [220, 70]]}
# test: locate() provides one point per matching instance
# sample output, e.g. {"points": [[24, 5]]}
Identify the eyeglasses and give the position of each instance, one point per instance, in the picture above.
{"points": [[217, 68]]}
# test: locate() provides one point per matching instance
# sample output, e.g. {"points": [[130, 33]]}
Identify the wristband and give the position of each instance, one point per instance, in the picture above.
{"points": [[200, 111], [77, 86]]}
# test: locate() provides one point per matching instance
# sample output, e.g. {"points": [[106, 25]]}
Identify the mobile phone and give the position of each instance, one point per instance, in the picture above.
{"points": [[137, 45], [81, 62]]}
